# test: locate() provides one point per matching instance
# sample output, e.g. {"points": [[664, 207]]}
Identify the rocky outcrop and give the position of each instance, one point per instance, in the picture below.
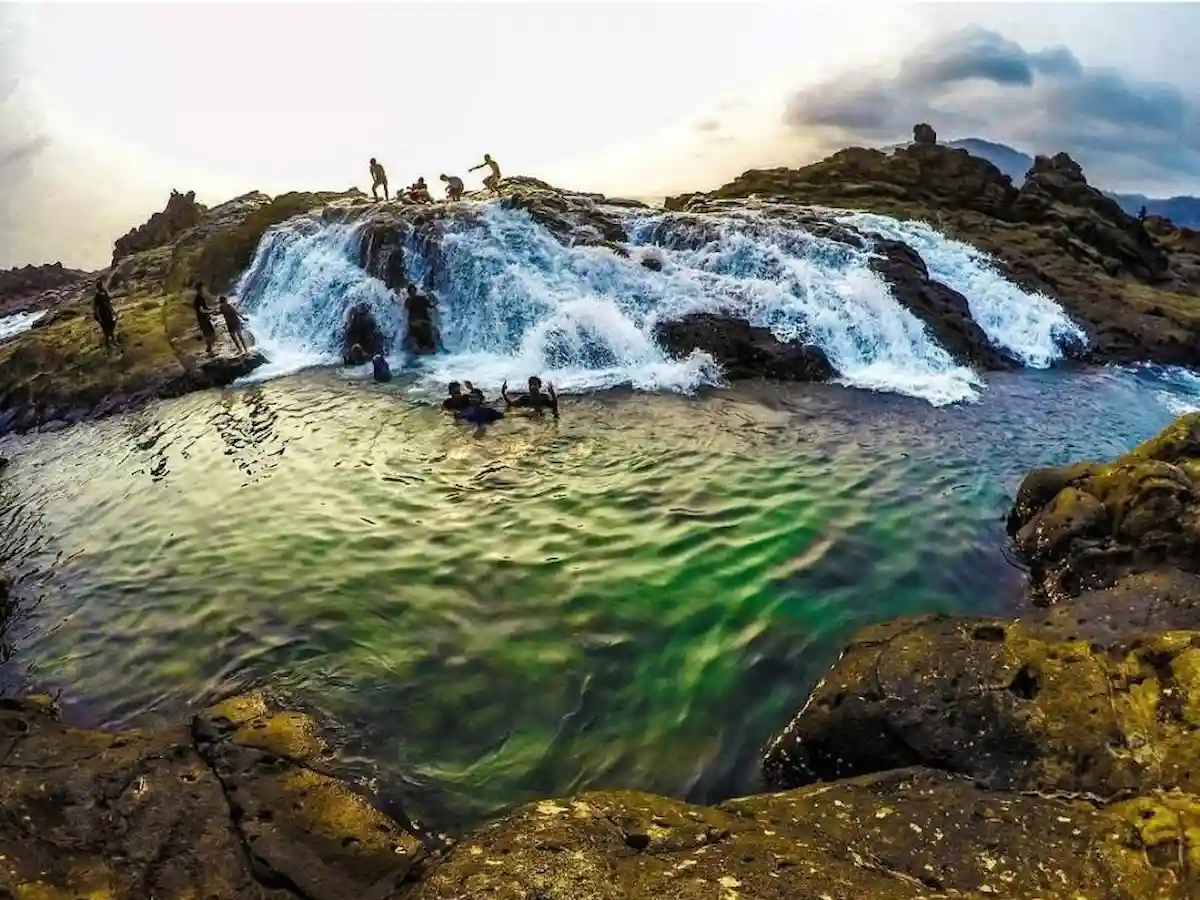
{"points": [[924, 134], [362, 337], [19, 286], [944, 310], [743, 350], [238, 806], [181, 213]]}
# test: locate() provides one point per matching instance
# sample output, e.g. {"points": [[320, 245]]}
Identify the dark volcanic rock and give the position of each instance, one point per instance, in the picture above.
{"points": [[1006, 705], [742, 349], [944, 311], [361, 330], [20, 285], [924, 134], [181, 213]]}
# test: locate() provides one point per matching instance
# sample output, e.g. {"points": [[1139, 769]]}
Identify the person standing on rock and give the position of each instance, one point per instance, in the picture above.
{"points": [[105, 315], [204, 315], [454, 186], [492, 182], [378, 180], [234, 324]]}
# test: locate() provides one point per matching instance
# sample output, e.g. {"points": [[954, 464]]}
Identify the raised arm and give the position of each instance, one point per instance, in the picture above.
{"points": [[504, 393], [476, 168], [553, 399]]}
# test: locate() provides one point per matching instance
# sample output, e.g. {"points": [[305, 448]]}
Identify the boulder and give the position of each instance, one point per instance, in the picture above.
{"points": [[944, 311], [743, 350], [361, 330], [924, 134], [1006, 705], [1086, 526]]}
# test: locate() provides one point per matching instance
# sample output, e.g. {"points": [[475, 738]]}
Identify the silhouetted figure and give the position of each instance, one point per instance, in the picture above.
{"points": [[234, 324], [492, 181], [204, 316], [105, 315], [419, 192], [535, 400], [420, 320], [454, 186], [378, 180], [1142, 214], [356, 355], [477, 412], [381, 371], [456, 401]]}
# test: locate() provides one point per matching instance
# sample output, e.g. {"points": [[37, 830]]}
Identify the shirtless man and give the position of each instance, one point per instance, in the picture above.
{"points": [[378, 179], [535, 400], [454, 186], [419, 192], [492, 182]]}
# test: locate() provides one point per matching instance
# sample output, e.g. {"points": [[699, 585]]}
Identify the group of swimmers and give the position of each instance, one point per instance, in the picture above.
{"points": [[472, 406], [418, 192], [106, 317]]}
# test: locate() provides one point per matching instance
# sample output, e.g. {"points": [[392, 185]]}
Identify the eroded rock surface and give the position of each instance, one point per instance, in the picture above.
{"points": [[181, 213], [234, 808]]}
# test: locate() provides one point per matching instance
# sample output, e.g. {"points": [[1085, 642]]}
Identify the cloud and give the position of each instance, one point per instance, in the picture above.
{"points": [[13, 154], [975, 82], [708, 125]]}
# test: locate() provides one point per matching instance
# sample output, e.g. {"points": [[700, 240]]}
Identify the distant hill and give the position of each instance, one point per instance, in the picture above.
{"points": [[1183, 211]]}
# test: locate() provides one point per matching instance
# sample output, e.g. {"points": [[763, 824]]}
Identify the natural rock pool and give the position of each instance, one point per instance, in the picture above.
{"points": [[635, 596]]}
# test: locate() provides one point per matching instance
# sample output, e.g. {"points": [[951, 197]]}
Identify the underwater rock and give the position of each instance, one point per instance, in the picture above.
{"points": [[743, 350]]}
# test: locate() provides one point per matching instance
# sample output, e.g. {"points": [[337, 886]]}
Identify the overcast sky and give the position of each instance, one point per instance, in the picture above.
{"points": [[110, 107]]}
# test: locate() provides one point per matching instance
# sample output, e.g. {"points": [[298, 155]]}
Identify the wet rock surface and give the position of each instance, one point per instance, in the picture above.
{"points": [[362, 337], [743, 350]]}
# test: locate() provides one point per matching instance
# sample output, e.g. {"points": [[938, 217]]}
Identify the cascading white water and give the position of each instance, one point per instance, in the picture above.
{"points": [[513, 301], [1031, 327], [11, 326]]}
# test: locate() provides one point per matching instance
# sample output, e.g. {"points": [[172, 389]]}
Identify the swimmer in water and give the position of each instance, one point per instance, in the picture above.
{"points": [[457, 401], [479, 414], [535, 400]]}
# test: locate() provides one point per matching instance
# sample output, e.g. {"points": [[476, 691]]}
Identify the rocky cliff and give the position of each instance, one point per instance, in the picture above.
{"points": [[21, 288], [181, 213]]}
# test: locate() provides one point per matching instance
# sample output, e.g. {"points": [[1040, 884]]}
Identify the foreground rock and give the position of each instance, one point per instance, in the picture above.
{"points": [[743, 350], [240, 807], [237, 806], [1134, 289]]}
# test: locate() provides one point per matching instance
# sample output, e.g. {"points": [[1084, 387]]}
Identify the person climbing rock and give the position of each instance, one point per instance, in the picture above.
{"points": [[378, 180], [492, 182], [456, 401], [454, 186], [419, 192], [535, 400], [234, 324], [105, 315], [381, 371], [477, 412], [420, 320], [204, 316]]}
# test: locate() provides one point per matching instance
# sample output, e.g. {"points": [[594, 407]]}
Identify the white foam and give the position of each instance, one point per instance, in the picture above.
{"points": [[11, 326], [1031, 326]]}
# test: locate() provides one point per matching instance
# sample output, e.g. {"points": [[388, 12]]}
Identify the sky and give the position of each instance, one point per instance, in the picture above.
{"points": [[104, 109]]}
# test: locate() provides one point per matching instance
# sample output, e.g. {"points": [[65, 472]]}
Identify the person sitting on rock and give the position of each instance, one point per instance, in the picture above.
{"points": [[420, 320], [492, 182], [419, 192], [105, 315], [535, 400], [234, 324], [378, 180], [381, 371], [454, 186], [479, 413], [204, 319], [457, 401]]}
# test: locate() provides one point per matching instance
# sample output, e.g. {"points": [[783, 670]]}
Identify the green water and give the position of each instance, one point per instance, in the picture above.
{"points": [[634, 596]]}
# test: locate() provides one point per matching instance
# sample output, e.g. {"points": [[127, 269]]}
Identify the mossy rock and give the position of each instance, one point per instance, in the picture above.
{"points": [[1007, 705]]}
